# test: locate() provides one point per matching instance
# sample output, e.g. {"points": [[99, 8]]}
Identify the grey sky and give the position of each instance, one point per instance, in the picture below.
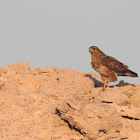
{"points": [[58, 33]]}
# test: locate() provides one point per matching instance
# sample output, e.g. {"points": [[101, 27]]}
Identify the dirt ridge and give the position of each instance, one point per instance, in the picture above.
{"points": [[64, 104]]}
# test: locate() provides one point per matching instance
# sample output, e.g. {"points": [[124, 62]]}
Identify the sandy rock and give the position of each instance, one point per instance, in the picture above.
{"points": [[73, 81], [46, 70], [16, 83], [64, 104], [20, 68], [91, 119], [112, 95], [130, 130], [135, 98], [3, 70]]}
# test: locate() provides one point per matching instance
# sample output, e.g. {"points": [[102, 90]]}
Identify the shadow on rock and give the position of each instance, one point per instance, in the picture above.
{"points": [[100, 84], [122, 84], [96, 82]]}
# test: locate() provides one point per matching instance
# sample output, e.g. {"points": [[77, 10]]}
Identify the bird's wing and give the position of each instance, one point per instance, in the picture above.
{"points": [[113, 64]]}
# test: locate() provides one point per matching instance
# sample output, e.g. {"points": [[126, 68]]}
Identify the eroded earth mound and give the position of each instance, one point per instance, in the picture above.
{"points": [[64, 104]]}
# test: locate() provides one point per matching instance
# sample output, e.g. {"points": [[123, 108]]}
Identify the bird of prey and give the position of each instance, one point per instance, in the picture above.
{"points": [[108, 67]]}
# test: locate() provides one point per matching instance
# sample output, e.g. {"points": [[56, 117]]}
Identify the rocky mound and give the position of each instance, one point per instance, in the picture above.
{"points": [[64, 104]]}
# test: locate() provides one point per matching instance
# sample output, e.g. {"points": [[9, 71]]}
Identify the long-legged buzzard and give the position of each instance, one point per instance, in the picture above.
{"points": [[108, 67]]}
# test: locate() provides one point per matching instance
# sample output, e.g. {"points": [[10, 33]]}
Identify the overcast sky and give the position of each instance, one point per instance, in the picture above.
{"points": [[58, 33]]}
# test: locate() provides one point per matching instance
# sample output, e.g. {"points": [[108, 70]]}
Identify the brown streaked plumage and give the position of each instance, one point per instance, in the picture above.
{"points": [[108, 67]]}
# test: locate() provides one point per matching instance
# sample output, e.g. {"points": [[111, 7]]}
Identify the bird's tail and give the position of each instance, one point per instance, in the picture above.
{"points": [[131, 73]]}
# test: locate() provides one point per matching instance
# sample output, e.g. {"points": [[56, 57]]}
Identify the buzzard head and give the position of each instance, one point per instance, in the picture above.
{"points": [[93, 49]]}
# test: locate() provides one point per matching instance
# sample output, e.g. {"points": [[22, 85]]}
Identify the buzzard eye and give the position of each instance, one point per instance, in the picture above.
{"points": [[93, 48]]}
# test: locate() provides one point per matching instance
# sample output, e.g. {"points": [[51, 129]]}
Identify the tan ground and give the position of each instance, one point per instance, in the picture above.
{"points": [[64, 104]]}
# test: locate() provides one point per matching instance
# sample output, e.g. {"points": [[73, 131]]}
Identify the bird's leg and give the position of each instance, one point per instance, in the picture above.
{"points": [[104, 78], [108, 83], [104, 88]]}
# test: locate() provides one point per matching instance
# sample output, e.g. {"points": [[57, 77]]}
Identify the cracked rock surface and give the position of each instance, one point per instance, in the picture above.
{"points": [[64, 104]]}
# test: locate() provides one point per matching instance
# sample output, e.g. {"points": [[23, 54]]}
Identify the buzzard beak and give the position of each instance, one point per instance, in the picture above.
{"points": [[90, 50]]}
